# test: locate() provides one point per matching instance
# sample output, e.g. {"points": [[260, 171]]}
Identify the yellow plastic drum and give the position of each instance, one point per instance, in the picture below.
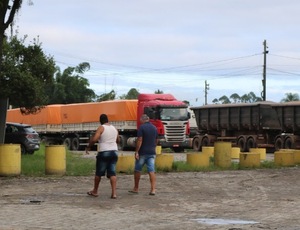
{"points": [[198, 159], [235, 153], [10, 160], [158, 149], [55, 160], [261, 151], [284, 158], [249, 160], [164, 161], [222, 153], [209, 150], [125, 163], [297, 156]]}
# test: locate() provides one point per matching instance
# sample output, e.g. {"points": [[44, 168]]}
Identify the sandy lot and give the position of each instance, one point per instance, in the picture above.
{"points": [[232, 200]]}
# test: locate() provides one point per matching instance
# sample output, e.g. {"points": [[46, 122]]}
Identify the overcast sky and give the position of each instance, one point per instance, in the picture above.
{"points": [[172, 45]]}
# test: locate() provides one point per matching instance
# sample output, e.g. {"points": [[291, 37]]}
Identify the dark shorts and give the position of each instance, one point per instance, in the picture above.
{"points": [[106, 163]]}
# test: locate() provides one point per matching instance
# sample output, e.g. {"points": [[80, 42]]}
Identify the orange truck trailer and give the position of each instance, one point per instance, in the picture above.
{"points": [[74, 124]]}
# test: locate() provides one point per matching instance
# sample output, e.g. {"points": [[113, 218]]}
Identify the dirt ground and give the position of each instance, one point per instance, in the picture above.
{"points": [[232, 200]]}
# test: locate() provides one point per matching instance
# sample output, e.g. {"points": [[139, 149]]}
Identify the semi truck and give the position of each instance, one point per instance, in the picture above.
{"points": [[74, 124], [289, 116], [246, 126]]}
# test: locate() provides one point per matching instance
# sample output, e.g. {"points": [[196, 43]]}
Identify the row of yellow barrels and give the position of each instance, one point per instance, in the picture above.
{"points": [[10, 160], [222, 152]]}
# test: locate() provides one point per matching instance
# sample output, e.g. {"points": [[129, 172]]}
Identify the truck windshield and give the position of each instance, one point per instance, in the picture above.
{"points": [[172, 114]]}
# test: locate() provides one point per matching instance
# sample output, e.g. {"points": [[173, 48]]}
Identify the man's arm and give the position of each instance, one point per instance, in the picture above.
{"points": [[94, 138], [138, 146]]}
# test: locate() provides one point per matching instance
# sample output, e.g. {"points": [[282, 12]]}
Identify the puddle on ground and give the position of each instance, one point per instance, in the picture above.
{"points": [[212, 221]]}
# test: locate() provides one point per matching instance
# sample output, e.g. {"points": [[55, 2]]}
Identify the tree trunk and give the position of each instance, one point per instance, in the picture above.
{"points": [[3, 111]]}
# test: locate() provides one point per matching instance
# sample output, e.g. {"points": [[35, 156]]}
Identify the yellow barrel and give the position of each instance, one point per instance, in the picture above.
{"points": [[198, 159], [284, 158], [249, 160], [55, 160], [235, 153], [164, 161], [125, 163], [297, 156], [158, 149], [209, 150], [10, 159], [222, 153], [261, 151]]}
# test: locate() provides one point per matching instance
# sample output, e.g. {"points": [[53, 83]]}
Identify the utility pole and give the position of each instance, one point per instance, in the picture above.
{"points": [[264, 81], [206, 88]]}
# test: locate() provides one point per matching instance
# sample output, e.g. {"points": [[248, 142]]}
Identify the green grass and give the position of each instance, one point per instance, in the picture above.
{"points": [[34, 165], [76, 165]]}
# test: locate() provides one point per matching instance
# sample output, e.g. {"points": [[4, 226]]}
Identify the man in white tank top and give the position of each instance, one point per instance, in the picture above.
{"points": [[107, 157]]}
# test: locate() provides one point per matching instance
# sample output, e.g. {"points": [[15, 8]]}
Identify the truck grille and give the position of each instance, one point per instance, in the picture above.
{"points": [[175, 133]]}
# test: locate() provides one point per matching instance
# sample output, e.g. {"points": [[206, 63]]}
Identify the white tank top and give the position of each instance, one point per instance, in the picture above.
{"points": [[108, 139]]}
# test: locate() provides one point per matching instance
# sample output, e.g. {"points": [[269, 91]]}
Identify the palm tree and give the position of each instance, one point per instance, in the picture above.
{"points": [[235, 97], [224, 100], [290, 97]]}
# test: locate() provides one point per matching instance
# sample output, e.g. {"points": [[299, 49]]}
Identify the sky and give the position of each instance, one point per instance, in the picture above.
{"points": [[172, 45]]}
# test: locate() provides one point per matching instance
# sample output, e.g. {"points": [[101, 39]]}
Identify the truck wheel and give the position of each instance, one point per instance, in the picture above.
{"points": [[196, 144], [288, 143], [250, 143], [23, 149], [278, 144], [75, 144], [205, 142], [122, 143], [67, 143], [242, 143]]}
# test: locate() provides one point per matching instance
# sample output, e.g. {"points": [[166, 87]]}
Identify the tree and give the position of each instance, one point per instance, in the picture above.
{"points": [[70, 87], [4, 10], [11, 10], [235, 97], [158, 91], [133, 93], [215, 101], [107, 96], [290, 97], [26, 73], [224, 100]]}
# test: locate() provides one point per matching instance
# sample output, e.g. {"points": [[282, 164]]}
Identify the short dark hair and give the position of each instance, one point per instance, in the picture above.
{"points": [[145, 118], [103, 119]]}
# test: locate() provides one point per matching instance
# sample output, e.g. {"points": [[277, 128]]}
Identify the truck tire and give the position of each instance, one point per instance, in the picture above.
{"points": [[196, 144], [123, 143], [204, 142], [67, 143], [288, 143], [241, 143], [251, 143], [75, 144], [278, 144]]}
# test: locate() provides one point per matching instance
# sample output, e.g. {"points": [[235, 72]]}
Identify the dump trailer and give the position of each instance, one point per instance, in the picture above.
{"points": [[246, 126], [289, 117], [74, 124]]}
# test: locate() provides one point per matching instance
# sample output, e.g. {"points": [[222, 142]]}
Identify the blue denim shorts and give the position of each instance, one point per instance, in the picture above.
{"points": [[149, 160], [106, 163]]}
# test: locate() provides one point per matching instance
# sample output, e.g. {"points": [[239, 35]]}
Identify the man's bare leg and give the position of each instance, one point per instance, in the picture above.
{"points": [[152, 182], [137, 176], [113, 183]]}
